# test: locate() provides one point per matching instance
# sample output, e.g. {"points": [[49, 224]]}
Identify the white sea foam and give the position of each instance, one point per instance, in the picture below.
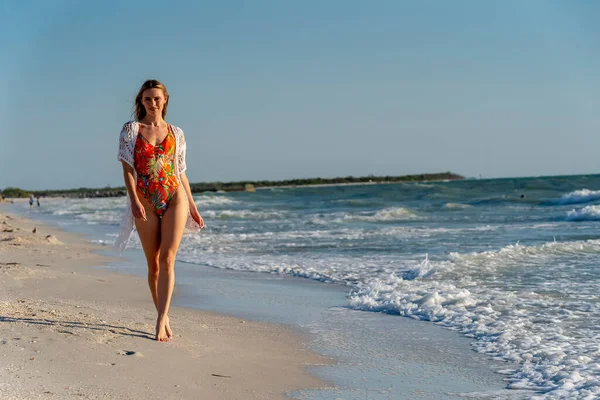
{"points": [[104, 242], [108, 217], [242, 214], [579, 196], [387, 214], [326, 219], [424, 269], [425, 185], [506, 326], [457, 206], [556, 348], [205, 200], [93, 211], [588, 213], [338, 236], [516, 255]]}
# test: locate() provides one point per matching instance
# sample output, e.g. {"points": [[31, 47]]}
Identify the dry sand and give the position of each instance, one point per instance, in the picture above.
{"points": [[69, 331]]}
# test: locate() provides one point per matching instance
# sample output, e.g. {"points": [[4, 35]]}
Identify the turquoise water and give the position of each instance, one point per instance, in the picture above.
{"points": [[511, 264]]}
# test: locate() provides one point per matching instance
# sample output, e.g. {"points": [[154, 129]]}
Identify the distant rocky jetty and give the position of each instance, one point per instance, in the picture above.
{"points": [[235, 186]]}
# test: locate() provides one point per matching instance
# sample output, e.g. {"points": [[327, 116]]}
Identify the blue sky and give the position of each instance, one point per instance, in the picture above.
{"points": [[290, 89]]}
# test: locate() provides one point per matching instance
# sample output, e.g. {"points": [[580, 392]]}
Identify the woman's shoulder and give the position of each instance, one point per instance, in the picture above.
{"points": [[129, 129], [130, 125], [176, 130]]}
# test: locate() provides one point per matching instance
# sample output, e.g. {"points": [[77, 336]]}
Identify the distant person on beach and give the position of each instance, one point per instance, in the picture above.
{"points": [[31, 199], [161, 205], [38, 200]]}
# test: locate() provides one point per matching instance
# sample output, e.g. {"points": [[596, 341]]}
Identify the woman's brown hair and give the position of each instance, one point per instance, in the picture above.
{"points": [[140, 110]]}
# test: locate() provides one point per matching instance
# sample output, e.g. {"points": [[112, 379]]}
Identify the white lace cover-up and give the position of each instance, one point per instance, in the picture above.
{"points": [[127, 139]]}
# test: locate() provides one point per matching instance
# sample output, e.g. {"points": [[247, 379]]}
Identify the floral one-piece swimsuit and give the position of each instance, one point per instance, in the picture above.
{"points": [[155, 167]]}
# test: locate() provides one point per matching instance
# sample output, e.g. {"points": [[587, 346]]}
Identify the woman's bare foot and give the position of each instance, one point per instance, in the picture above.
{"points": [[161, 332], [168, 329]]}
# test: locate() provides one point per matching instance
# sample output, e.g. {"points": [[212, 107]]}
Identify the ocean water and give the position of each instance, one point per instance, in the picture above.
{"points": [[512, 264]]}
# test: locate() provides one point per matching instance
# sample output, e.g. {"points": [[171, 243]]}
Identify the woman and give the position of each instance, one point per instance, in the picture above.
{"points": [[160, 200]]}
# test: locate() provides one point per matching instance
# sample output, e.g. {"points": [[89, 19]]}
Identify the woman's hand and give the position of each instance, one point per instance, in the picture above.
{"points": [[138, 209], [196, 215]]}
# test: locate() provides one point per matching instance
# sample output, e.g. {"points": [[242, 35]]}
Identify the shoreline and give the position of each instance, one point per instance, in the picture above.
{"points": [[70, 330]]}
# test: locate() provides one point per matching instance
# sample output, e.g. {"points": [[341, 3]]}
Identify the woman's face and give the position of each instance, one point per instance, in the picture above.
{"points": [[154, 101]]}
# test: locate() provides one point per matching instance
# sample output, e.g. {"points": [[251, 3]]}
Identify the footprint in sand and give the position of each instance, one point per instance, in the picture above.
{"points": [[106, 364], [130, 353], [9, 264]]}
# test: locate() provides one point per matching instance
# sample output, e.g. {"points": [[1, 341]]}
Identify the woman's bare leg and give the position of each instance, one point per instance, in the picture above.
{"points": [[171, 231], [149, 232]]}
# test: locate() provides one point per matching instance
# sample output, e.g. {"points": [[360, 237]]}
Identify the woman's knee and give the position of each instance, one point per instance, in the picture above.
{"points": [[166, 260], [153, 270], [153, 265]]}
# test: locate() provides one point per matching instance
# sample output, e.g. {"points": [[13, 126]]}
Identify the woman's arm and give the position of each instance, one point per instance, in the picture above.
{"points": [[137, 208], [193, 209]]}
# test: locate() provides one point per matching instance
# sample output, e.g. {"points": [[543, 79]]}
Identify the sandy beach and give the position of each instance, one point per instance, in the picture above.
{"points": [[71, 331]]}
